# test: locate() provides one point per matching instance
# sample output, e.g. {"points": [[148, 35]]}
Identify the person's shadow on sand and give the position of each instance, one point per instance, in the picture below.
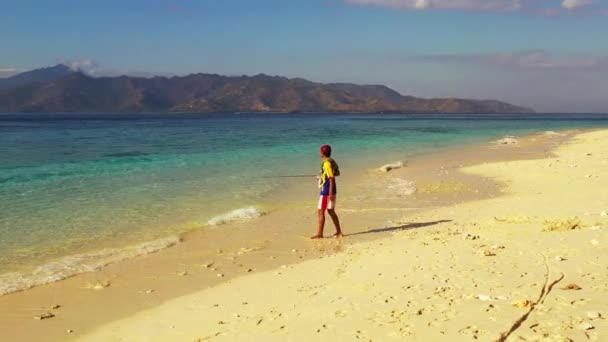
{"points": [[399, 228]]}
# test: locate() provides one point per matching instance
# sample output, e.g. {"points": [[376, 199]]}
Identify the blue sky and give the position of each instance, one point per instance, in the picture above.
{"points": [[551, 55]]}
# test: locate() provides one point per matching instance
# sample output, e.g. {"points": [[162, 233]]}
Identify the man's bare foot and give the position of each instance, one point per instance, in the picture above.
{"points": [[338, 235], [314, 237]]}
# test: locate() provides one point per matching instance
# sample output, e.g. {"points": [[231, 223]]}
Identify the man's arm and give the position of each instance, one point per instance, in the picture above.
{"points": [[330, 175]]}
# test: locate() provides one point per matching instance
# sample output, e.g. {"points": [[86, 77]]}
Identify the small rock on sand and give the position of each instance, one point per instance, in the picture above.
{"points": [[467, 236], [586, 326], [46, 315], [559, 258], [220, 275], [484, 297], [593, 315], [488, 253], [572, 287]]}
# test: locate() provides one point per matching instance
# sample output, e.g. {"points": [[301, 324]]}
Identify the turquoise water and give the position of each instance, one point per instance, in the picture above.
{"points": [[75, 184]]}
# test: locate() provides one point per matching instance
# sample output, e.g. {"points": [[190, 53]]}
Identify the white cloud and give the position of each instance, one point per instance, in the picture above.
{"points": [[87, 65], [527, 60], [8, 71], [572, 4], [474, 5]]}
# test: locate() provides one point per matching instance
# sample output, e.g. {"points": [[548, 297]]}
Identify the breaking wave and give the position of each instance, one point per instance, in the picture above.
{"points": [[80, 263], [236, 215]]}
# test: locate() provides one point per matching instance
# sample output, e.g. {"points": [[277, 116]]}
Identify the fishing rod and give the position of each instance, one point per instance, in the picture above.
{"points": [[289, 176]]}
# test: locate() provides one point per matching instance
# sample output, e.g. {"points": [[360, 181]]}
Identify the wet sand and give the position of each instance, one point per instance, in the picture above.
{"points": [[372, 206]]}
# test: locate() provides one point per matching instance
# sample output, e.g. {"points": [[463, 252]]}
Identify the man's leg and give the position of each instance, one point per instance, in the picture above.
{"points": [[322, 207], [334, 217]]}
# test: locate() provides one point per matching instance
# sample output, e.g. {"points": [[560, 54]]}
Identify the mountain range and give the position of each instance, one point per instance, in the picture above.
{"points": [[61, 89]]}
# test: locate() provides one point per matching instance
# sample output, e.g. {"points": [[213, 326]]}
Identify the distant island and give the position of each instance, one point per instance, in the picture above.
{"points": [[61, 89]]}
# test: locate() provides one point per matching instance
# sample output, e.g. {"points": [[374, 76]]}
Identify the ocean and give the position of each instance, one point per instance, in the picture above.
{"points": [[78, 191]]}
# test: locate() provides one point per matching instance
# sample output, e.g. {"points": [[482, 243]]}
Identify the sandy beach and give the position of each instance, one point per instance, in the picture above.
{"points": [[500, 242], [530, 264]]}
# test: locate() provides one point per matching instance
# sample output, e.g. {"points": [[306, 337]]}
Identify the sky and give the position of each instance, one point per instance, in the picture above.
{"points": [[551, 55]]}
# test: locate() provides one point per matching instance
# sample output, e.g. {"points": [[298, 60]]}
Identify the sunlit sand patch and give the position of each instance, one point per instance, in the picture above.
{"points": [[443, 187]]}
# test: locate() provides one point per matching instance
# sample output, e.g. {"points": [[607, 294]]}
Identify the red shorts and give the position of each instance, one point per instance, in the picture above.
{"points": [[326, 203]]}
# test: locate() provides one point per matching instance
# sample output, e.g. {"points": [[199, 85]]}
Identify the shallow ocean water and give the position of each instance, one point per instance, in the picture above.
{"points": [[77, 190]]}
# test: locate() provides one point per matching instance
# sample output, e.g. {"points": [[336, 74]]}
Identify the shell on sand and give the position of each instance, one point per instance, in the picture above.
{"points": [[522, 303], [484, 297]]}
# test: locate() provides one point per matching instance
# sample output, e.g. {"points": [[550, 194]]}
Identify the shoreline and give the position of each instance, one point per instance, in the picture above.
{"points": [[527, 265], [258, 252]]}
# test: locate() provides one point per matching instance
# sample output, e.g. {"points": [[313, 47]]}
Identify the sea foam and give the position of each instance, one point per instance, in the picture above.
{"points": [[236, 215], [80, 263], [402, 186]]}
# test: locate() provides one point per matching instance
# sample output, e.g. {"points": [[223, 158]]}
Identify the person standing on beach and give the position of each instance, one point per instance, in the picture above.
{"points": [[327, 201]]}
